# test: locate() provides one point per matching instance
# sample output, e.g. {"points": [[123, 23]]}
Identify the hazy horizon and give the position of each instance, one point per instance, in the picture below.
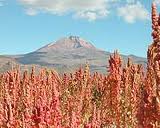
{"points": [[67, 37]]}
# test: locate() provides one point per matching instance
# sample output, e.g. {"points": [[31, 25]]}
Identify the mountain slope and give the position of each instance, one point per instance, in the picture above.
{"points": [[66, 44], [67, 54]]}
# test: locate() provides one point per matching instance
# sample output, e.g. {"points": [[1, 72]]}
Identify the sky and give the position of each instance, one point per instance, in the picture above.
{"points": [[27, 25]]}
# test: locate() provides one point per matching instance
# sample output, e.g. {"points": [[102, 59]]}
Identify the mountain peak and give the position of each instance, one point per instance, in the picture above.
{"points": [[67, 43], [74, 37]]}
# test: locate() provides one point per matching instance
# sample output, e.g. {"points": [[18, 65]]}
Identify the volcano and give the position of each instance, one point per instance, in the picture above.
{"points": [[69, 53]]}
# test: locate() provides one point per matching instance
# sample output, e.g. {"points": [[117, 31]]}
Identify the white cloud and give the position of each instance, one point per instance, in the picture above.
{"points": [[132, 12], [157, 1], [31, 12], [87, 9], [91, 16]]}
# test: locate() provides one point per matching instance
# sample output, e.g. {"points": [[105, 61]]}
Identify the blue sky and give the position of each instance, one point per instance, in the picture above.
{"points": [[26, 25]]}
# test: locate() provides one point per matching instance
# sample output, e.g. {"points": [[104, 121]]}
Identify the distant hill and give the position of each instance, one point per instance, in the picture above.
{"points": [[67, 54]]}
